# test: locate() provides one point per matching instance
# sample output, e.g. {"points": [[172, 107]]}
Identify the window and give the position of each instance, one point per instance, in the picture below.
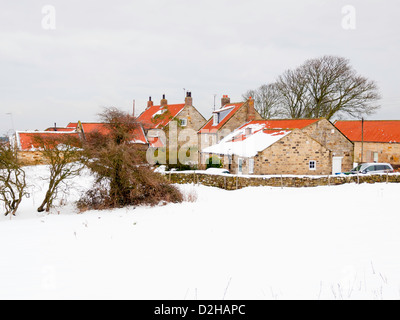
{"points": [[183, 122], [216, 119], [376, 157], [240, 166], [313, 165]]}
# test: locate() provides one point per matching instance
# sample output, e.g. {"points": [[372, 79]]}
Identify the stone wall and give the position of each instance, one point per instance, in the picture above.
{"points": [[30, 158], [387, 152], [292, 155], [194, 118], [230, 182], [330, 137]]}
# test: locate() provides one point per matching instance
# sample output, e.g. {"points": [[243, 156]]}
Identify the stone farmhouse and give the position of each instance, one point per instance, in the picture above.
{"points": [[227, 119], [275, 147], [374, 141], [159, 120]]}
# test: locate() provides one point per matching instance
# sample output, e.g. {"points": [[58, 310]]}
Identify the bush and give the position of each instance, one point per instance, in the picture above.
{"points": [[12, 179], [214, 162], [123, 177]]}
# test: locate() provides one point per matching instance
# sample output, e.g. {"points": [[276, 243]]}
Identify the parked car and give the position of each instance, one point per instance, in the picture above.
{"points": [[217, 171], [372, 168]]}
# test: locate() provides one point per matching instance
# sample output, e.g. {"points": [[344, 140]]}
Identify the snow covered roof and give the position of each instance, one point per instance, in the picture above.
{"points": [[247, 141]]}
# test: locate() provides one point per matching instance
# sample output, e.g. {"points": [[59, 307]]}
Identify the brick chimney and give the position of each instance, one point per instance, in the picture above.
{"points": [[225, 100], [251, 111], [189, 99], [149, 103], [164, 102]]}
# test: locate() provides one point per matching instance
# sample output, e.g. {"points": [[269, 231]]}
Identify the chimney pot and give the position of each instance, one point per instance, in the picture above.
{"points": [[225, 100], [149, 103], [189, 99], [164, 101]]}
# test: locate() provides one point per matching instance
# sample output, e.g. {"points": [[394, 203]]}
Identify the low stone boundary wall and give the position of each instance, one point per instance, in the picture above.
{"points": [[234, 182]]}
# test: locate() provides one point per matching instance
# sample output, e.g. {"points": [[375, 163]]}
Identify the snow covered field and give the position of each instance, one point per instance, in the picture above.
{"points": [[258, 243]]}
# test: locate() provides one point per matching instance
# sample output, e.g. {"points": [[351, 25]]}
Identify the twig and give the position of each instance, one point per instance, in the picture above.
{"points": [[227, 287]]}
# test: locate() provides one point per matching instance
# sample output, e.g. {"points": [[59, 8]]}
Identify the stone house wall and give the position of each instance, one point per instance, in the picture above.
{"points": [[329, 136], [30, 158], [292, 155], [387, 152]]}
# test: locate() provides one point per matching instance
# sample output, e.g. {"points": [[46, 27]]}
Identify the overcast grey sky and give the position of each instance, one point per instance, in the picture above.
{"points": [[108, 53]]}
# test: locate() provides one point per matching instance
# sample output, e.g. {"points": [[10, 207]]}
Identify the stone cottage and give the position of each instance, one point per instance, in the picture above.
{"points": [[159, 120], [275, 147], [374, 141], [227, 119]]}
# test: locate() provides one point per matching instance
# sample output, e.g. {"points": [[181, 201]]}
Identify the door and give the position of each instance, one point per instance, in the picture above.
{"points": [[337, 165], [240, 165]]}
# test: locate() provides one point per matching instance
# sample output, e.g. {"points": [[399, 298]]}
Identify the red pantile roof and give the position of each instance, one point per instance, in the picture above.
{"points": [[60, 129], [374, 131], [26, 141], [209, 126], [157, 117], [90, 127]]}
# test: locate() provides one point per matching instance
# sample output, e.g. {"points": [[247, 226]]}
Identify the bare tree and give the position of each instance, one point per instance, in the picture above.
{"points": [[266, 100], [335, 88], [63, 155], [292, 92], [123, 177], [325, 87], [12, 179]]}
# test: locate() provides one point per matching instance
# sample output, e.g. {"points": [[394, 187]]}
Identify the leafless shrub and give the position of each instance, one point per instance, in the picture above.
{"points": [[190, 196], [64, 157], [123, 178], [12, 179]]}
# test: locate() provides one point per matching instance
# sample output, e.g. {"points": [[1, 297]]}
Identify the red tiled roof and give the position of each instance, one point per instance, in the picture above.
{"points": [[209, 126], [90, 127], [152, 117], [374, 131], [27, 140], [60, 129]]}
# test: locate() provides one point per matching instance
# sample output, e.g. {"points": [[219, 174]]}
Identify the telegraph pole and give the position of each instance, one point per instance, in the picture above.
{"points": [[362, 140]]}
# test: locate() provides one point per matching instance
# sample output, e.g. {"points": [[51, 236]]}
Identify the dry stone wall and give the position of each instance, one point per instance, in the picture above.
{"points": [[230, 182]]}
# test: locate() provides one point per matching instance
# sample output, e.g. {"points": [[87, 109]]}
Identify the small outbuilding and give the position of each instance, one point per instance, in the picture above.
{"points": [[275, 147]]}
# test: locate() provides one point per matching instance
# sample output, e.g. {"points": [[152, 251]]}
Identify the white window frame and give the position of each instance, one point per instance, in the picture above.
{"points": [[314, 166], [183, 122], [215, 119]]}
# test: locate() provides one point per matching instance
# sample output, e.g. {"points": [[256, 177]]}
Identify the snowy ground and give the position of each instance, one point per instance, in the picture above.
{"points": [[258, 243]]}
